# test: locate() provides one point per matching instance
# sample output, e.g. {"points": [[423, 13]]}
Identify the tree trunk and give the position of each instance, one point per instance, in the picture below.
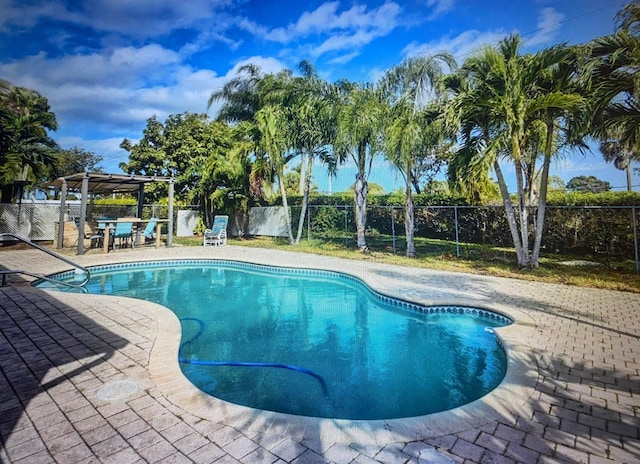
{"points": [[629, 186], [542, 199], [360, 199], [303, 169], [285, 205], [416, 185], [306, 175], [409, 220], [510, 213], [524, 216]]}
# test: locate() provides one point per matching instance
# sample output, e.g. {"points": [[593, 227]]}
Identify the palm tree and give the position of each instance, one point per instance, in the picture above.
{"points": [[272, 122], [614, 152], [359, 125], [616, 82], [414, 134], [261, 101], [25, 118], [312, 129], [502, 96]]}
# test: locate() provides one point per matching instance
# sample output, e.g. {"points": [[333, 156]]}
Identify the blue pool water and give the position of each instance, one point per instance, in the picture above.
{"points": [[315, 343]]}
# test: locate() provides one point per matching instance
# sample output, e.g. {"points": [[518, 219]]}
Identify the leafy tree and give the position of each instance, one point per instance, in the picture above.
{"points": [[588, 184], [194, 151], [556, 184], [75, 160], [27, 153]]}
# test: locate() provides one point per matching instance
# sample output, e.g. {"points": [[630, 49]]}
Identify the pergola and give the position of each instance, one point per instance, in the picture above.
{"points": [[91, 183]]}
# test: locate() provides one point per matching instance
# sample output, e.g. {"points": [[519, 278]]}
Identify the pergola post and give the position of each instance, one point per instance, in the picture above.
{"points": [[63, 201], [170, 230], [140, 200], [83, 213]]}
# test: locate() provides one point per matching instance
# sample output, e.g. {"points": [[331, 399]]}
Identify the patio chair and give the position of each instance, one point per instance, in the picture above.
{"points": [[89, 234], [149, 232], [217, 235], [124, 233]]}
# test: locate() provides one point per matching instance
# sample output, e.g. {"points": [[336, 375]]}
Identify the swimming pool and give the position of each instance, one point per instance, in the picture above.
{"points": [[315, 343]]}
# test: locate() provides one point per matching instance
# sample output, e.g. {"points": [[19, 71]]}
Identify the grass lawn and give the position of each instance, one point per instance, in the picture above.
{"points": [[476, 259]]}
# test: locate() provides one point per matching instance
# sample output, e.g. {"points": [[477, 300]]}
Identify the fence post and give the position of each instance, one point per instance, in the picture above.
{"points": [[308, 223], [635, 237], [455, 214], [393, 228], [346, 234]]}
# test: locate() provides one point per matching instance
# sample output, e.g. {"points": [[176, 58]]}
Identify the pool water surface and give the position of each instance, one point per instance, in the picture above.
{"points": [[315, 343]]}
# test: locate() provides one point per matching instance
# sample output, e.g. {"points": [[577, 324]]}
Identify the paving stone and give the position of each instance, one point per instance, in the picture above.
{"points": [[240, 447], [288, 449], [190, 443], [157, 451], [261, 456], [492, 443], [42, 457], [125, 456], [206, 454], [64, 442], [25, 448], [468, 450], [109, 446]]}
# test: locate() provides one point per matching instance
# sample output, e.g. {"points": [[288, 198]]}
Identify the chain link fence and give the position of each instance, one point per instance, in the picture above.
{"points": [[607, 233]]}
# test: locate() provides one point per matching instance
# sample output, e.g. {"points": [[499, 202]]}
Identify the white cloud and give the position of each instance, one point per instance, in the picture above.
{"points": [[547, 26], [121, 89], [129, 17], [347, 30], [459, 46], [343, 59], [439, 7], [16, 13], [114, 20]]}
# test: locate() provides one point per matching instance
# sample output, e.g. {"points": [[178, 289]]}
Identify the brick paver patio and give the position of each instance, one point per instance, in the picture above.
{"points": [[89, 378]]}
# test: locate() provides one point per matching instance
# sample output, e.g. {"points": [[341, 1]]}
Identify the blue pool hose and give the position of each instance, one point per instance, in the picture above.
{"points": [[241, 363]]}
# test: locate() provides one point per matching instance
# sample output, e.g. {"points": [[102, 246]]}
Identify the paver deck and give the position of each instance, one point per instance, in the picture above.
{"points": [[89, 378]]}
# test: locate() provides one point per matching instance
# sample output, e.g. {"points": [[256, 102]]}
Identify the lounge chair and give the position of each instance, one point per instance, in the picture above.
{"points": [[217, 235], [123, 232], [150, 231]]}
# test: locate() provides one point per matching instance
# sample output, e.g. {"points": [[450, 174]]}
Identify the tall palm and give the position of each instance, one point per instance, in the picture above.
{"points": [[239, 97], [25, 119], [312, 129], [260, 101], [616, 85], [506, 94], [358, 137], [614, 152], [272, 122], [413, 134], [563, 113]]}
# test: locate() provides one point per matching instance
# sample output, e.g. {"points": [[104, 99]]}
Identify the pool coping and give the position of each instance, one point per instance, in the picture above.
{"points": [[509, 399]]}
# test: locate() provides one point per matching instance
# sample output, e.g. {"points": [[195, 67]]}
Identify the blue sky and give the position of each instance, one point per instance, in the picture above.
{"points": [[106, 66]]}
